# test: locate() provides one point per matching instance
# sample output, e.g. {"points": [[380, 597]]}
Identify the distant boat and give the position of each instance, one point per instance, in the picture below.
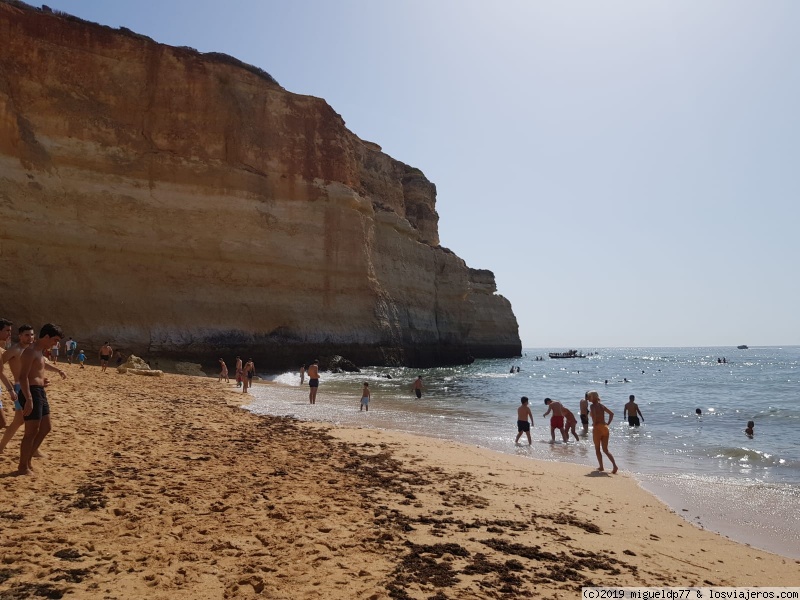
{"points": [[743, 347], [567, 354]]}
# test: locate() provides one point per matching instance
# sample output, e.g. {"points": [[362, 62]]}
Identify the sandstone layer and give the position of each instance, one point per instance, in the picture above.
{"points": [[186, 205]]}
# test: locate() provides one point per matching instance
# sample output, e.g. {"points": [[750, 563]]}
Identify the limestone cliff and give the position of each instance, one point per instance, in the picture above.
{"points": [[186, 205]]}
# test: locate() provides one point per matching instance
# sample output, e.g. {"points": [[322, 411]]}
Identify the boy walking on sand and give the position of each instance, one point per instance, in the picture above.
{"points": [[364, 398], [81, 358], [35, 409], [632, 412], [523, 414], [600, 429]]}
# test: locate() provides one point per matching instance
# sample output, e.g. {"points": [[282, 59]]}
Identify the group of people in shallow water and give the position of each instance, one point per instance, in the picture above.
{"points": [[563, 420]]}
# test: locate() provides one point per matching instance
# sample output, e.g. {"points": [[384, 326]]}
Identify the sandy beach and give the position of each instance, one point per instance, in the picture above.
{"points": [[165, 488]]}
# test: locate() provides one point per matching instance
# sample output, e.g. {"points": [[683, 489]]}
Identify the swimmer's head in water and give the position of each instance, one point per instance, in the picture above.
{"points": [[698, 412]]}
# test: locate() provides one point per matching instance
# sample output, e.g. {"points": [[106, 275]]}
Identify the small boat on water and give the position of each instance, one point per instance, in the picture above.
{"points": [[567, 354], [742, 347]]}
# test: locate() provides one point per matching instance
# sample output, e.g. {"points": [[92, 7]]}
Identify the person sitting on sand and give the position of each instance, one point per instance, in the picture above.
{"points": [[749, 431], [600, 429], [570, 424], [223, 371], [557, 420], [364, 398], [523, 414], [632, 412]]}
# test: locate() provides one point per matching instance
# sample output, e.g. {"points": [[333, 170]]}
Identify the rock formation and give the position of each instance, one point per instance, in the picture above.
{"points": [[186, 205]]}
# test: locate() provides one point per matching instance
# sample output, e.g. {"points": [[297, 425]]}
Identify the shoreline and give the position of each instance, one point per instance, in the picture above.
{"points": [[164, 487], [757, 522]]}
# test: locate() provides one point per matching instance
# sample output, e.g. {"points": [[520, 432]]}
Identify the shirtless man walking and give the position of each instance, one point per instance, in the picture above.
{"points": [[584, 408], [523, 414], [557, 420], [313, 381], [105, 355], [600, 429], [238, 371], [35, 410], [11, 356]]}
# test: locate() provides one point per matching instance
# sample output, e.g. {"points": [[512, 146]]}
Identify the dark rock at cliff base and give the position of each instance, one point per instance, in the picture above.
{"points": [[339, 364]]}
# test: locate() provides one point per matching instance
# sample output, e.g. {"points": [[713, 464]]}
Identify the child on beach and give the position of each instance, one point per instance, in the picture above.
{"points": [[364, 398], [600, 429], [570, 424], [81, 358], [749, 431], [523, 414]]}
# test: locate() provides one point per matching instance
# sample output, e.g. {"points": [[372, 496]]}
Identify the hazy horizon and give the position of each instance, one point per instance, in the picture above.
{"points": [[627, 170]]}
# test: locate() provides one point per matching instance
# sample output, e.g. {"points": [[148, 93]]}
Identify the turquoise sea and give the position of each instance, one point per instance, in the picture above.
{"points": [[704, 467]]}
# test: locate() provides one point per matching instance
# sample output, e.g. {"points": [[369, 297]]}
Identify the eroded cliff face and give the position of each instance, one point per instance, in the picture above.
{"points": [[179, 204]]}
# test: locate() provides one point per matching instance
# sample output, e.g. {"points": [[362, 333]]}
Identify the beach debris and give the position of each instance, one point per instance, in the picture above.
{"points": [[137, 366]]}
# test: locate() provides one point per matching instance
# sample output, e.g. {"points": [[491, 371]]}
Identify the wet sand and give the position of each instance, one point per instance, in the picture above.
{"points": [[164, 488]]}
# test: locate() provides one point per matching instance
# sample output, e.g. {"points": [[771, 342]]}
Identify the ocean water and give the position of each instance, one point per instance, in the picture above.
{"points": [[704, 467]]}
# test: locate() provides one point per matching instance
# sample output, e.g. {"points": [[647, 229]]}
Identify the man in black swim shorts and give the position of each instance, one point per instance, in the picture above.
{"points": [[35, 408], [105, 355], [632, 412], [313, 381]]}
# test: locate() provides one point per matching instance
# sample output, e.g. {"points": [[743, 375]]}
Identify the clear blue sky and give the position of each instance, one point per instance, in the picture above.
{"points": [[630, 171]]}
